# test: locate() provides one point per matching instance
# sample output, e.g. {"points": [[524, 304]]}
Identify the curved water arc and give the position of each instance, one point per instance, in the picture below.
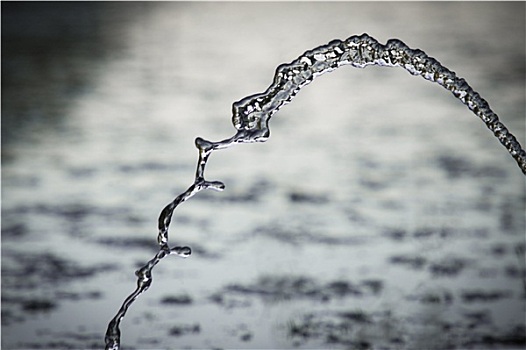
{"points": [[251, 116], [253, 113]]}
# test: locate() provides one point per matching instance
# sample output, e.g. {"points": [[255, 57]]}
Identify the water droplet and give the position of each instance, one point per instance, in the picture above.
{"points": [[183, 252]]}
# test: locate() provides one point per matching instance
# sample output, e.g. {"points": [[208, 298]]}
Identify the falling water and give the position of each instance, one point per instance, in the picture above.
{"points": [[252, 114]]}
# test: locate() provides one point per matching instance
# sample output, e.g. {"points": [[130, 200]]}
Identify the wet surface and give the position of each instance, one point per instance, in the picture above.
{"points": [[380, 213], [276, 288]]}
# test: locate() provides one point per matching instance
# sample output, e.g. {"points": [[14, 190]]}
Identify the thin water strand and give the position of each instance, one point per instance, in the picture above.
{"points": [[251, 116]]}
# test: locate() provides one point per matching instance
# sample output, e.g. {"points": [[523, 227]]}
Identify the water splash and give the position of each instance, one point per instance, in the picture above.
{"points": [[252, 114]]}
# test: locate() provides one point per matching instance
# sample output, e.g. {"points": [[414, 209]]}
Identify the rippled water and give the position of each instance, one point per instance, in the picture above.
{"points": [[380, 213]]}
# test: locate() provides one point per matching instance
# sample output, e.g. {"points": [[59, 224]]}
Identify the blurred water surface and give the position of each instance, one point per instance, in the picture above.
{"points": [[380, 213]]}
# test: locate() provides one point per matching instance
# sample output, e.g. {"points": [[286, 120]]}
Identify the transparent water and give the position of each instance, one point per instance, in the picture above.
{"points": [[252, 114], [420, 243]]}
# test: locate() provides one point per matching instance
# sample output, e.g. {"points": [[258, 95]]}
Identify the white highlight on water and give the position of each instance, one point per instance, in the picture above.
{"points": [[252, 114]]}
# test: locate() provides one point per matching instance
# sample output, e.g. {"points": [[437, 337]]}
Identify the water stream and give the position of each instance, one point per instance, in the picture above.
{"points": [[251, 116]]}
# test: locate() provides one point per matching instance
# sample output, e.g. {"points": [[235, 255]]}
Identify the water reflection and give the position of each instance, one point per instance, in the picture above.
{"points": [[51, 55], [99, 113]]}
